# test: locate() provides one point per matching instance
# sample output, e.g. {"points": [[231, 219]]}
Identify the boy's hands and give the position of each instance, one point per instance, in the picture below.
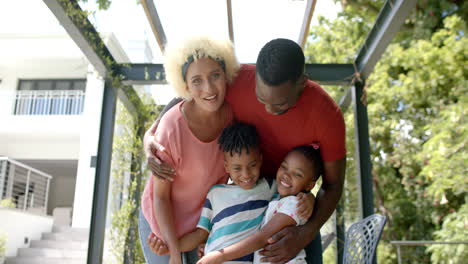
{"points": [[214, 257], [157, 245], [305, 204]]}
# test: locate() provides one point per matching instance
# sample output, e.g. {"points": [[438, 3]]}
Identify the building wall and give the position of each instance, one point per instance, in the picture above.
{"points": [[62, 185], [22, 227], [36, 57]]}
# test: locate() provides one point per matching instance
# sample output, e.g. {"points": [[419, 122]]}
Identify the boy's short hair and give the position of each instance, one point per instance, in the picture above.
{"points": [[279, 61], [239, 136], [312, 153]]}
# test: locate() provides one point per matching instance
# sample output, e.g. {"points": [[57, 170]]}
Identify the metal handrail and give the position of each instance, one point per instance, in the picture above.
{"points": [[21, 188], [49, 102], [399, 243], [27, 167]]}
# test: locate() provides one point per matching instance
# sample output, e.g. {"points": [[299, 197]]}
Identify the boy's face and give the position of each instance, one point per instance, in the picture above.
{"points": [[295, 175], [244, 168]]}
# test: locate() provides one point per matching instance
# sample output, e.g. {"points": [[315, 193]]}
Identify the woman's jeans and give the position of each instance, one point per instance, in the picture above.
{"points": [[313, 250], [144, 230]]}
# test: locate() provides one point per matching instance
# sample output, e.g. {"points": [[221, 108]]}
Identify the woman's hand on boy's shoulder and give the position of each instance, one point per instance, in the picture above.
{"points": [[305, 204]]}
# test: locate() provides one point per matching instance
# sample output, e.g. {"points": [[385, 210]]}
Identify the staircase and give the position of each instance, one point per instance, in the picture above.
{"points": [[64, 245]]}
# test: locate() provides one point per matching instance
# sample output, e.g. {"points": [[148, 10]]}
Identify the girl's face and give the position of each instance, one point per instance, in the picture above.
{"points": [[206, 83], [295, 175]]}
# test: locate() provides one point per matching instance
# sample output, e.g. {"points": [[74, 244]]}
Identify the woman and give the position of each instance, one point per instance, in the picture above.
{"points": [[199, 71]]}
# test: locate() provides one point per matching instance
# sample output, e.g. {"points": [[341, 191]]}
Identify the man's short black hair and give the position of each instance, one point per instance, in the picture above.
{"points": [[313, 155], [279, 61], [239, 136]]}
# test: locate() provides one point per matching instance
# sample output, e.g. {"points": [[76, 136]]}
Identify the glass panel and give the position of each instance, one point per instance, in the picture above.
{"points": [[44, 85], [63, 85], [26, 85], [79, 85]]}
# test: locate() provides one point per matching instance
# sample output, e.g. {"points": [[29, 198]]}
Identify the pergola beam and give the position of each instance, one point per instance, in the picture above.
{"points": [[229, 17], [155, 22], [142, 73], [309, 11], [330, 74], [146, 73], [391, 17], [76, 27]]}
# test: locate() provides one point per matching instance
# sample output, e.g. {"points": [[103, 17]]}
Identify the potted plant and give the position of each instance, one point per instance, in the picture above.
{"points": [[7, 203]]}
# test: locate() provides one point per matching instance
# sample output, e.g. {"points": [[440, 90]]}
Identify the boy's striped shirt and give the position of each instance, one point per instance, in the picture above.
{"points": [[231, 213]]}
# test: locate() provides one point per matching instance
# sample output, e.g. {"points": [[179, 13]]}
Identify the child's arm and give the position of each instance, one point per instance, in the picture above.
{"points": [[192, 240], [251, 243], [186, 243], [164, 217]]}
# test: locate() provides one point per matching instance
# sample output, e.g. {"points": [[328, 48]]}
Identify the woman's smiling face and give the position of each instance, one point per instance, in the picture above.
{"points": [[206, 83]]}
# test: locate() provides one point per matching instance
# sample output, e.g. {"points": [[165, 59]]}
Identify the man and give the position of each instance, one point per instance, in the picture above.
{"points": [[288, 110]]}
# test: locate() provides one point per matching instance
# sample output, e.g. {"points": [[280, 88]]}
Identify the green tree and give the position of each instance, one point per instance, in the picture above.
{"points": [[418, 131]]}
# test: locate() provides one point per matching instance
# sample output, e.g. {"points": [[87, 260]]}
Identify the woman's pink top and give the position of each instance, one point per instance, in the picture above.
{"points": [[198, 166]]}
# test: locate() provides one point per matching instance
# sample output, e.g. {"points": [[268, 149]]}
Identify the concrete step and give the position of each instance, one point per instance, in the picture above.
{"points": [[41, 260], [59, 229], [72, 245], [65, 236], [52, 253]]}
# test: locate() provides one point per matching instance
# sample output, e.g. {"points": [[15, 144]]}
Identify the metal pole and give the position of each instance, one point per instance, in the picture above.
{"points": [[26, 191], [101, 181], [11, 179], [340, 231], [363, 160], [362, 155], [47, 194], [4, 164], [399, 254]]}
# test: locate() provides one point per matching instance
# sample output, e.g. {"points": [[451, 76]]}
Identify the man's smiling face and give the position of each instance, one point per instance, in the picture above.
{"points": [[280, 98]]}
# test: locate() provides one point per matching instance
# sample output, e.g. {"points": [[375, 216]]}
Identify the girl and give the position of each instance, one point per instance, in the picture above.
{"points": [[297, 173]]}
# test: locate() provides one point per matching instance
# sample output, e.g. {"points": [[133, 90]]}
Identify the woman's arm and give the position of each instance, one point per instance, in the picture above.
{"points": [[186, 243], [156, 165], [164, 217], [251, 243], [192, 240]]}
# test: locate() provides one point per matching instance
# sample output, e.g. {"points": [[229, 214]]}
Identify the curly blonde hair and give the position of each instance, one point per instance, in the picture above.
{"points": [[195, 48]]}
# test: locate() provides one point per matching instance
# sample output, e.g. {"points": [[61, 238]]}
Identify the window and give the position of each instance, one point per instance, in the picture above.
{"points": [[52, 85], [50, 97]]}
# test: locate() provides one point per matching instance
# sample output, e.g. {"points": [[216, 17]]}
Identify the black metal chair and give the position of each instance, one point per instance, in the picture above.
{"points": [[362, 239]]}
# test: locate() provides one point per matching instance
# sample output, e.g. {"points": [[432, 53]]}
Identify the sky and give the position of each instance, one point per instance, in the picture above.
{"points": [[255, 23]]}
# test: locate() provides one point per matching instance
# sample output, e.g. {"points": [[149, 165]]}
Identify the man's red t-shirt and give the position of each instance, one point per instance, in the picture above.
{"points": [[315, 118]]}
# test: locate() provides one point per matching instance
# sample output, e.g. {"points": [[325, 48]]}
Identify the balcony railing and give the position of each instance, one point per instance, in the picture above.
{"points": [[27, 187], [49, 102]]}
